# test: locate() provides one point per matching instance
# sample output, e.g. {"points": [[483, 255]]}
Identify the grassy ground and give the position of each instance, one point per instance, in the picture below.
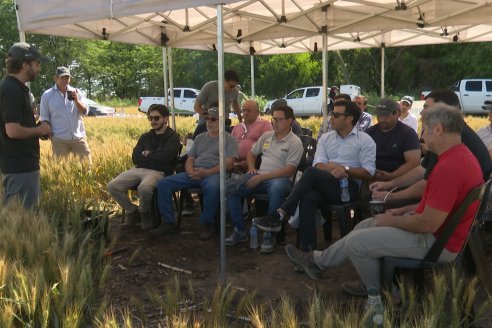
{"points": [[52, 270]]}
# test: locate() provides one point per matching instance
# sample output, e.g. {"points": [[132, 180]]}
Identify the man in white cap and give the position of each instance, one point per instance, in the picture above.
{"points": [[485, 133], [63, 107], [19, 135], [405, 115]]}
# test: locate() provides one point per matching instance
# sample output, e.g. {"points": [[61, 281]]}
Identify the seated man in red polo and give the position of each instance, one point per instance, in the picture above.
{"points": [[401, 233]]}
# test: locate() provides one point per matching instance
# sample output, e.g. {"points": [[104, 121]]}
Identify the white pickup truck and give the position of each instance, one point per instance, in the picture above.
{"points": [[184, 101], [307, 101], [473, 93]]}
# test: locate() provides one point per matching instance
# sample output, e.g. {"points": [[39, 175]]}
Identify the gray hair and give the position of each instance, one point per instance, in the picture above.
{"points": [[449, 117]]}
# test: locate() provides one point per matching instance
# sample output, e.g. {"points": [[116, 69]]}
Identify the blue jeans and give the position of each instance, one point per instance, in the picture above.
{"points": [[211, 195], [277, 189]]}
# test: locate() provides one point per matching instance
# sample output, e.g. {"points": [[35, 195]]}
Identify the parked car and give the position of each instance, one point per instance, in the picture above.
{"points": [[184, 101], [307, 101], [472, 94], [96, 109]]}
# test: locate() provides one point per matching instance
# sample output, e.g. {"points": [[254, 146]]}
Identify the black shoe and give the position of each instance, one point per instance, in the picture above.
{"points": [[305, 261], [271, 222], [164, 229]]}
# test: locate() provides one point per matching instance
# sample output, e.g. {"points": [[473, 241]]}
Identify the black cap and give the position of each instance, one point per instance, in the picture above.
{"points": [[386, 106], [25, 51]]}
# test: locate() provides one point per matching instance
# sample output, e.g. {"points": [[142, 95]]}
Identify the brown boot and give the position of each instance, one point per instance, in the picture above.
{"points": [[147, 223], [131, 220]]}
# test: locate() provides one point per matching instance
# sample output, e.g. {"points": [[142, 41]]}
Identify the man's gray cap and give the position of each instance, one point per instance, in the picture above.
{"points": [[386, 106], [63, 71], [212, 112], [25, 51]]}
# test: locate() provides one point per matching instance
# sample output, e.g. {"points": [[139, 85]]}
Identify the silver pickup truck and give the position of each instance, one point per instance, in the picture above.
{"points": [[184, 101]]}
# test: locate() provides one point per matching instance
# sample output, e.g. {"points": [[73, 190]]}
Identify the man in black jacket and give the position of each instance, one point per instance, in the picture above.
{"points": [[154, 157]]}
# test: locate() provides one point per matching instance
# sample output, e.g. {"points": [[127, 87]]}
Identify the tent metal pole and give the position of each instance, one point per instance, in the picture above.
{"points": [[220, 68], [324, 92], [164, 73], [171, 84], [382, 70], [252, 64]]}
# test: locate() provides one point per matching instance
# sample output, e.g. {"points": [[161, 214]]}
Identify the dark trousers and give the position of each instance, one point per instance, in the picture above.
{"points": [[316, 189]]}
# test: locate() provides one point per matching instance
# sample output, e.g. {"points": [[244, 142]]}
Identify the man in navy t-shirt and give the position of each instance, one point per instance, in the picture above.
{"points": [[397, 145]]}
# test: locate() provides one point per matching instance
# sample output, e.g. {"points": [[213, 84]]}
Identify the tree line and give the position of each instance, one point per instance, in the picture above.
{"points": [[108, 70]]}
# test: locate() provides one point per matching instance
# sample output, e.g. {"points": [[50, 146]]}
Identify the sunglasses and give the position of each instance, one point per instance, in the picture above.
{"points": [[154, 118], [337, 114], [211, 119]]}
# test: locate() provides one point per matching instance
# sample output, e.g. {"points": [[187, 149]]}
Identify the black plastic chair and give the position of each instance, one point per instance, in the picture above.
{"points": [[307, 132], [389, 265]]}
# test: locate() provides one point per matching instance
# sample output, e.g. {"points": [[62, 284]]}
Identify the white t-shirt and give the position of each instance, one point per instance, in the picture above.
{"points": [[411, 121]]}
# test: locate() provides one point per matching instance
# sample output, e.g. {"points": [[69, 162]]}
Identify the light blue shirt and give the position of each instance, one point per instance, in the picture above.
{"points": [[357, 149], [65, 119]]}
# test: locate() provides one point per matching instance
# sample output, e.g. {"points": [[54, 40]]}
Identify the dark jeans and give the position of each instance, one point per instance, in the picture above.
{"points": [[316, 188]]}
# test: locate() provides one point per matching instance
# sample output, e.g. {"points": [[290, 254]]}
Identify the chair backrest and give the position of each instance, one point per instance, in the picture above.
{"points": [[307, 132], [309, 144], [476, 194]]}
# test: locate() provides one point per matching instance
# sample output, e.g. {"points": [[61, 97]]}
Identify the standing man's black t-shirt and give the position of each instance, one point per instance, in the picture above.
{"points": [[17, 155]]}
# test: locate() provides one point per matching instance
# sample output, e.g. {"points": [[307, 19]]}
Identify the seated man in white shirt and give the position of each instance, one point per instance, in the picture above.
{"points": [[405, 115], [485, 133]]}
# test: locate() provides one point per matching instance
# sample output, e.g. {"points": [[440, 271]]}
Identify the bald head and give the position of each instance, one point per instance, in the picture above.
{"points": [[251, 111]]}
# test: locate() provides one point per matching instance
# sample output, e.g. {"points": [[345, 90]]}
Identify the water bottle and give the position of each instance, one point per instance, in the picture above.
{"points": [[374, 309], [253, 236], [344, 190]]}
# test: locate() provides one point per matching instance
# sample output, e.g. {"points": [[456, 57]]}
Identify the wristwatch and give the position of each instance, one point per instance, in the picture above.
{"points": [[346, 168]]}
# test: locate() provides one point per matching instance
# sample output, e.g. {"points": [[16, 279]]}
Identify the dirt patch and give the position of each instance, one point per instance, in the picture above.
{"points": [[139, 268]]}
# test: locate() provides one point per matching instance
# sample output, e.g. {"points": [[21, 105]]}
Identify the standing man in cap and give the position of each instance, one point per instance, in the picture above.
{"points": [[405, 115], [19, 135], [63, 107], [485, 133]]}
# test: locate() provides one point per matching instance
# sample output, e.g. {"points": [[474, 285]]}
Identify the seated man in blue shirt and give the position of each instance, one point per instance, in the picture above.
{"points": [[344, 152], [63, 106]]}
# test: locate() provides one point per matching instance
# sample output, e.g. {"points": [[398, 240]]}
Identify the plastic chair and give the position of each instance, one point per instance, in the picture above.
{"points": [[389, 265]]}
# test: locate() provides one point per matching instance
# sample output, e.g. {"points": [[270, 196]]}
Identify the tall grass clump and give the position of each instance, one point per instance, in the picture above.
{"points": [[51, 273]]}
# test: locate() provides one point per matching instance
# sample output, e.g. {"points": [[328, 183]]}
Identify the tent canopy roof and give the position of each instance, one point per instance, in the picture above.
{"points": [[268, 27]]}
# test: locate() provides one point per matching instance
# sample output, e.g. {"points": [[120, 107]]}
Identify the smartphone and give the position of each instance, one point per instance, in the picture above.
{"points": [[69, 95]]}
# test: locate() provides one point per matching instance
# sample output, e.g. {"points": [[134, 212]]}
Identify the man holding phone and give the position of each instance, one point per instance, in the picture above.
{"points": [[63, 106]]}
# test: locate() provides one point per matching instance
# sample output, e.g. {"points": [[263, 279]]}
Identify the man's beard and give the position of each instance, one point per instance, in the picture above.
{"points": [[31, 75]]}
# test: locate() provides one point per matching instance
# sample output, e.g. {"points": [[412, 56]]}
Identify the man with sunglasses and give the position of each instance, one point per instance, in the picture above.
{"points": [[344, 152], [209, 94], [154, 156], [201, 171], [248, 132], [281, 151]]}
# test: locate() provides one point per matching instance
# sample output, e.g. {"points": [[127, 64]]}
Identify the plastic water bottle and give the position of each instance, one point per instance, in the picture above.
{"points": [[253, 236], [344, 190], [374, 309]]}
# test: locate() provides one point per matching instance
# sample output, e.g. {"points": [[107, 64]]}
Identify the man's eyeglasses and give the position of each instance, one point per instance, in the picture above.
{"points": [[278, 119], [337, 114], [154, 118], [211, 119]]}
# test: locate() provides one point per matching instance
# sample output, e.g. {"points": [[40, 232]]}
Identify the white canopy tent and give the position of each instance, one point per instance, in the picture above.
{"points": [[270, 27]]}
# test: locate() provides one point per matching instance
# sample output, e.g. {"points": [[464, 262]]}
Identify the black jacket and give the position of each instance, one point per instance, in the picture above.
{"points": [[163, 149]]}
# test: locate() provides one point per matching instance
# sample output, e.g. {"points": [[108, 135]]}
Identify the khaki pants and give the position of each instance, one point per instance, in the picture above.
{"points": [[78, 147], [366, 244], [144, 179]]}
